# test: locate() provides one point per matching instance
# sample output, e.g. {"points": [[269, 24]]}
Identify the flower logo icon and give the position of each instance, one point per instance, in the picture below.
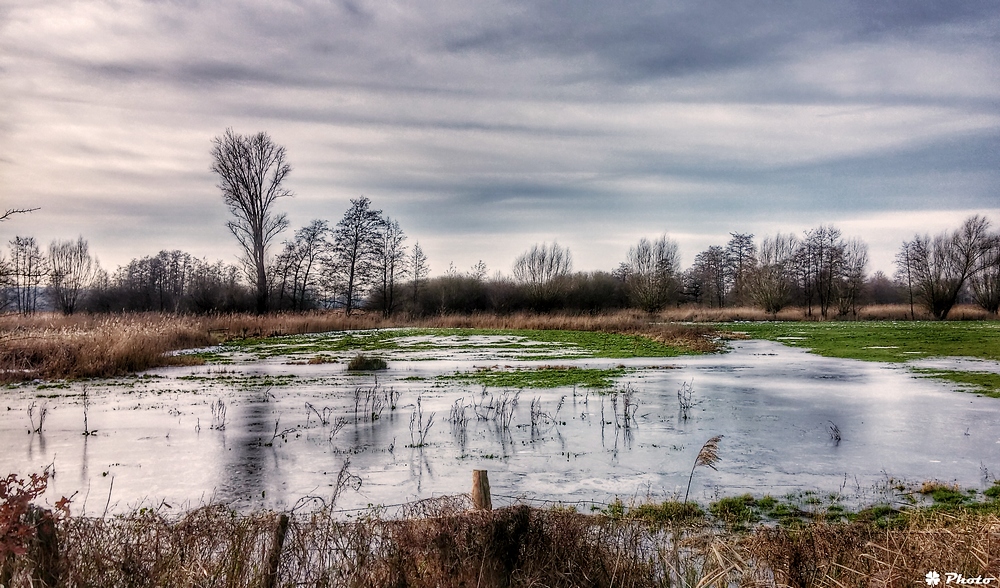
{"points": [[932, 578]]}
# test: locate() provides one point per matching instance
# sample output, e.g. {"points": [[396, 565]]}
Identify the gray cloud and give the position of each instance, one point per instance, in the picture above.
{"points": [[502, 122]]}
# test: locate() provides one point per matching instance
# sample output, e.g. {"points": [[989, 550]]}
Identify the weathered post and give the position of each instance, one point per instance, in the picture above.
{"points": [[274, 557], [44, 548], [481, 491]]}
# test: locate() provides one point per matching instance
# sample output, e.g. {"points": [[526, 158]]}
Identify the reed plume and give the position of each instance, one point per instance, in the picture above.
{"points": [[708, 456]]}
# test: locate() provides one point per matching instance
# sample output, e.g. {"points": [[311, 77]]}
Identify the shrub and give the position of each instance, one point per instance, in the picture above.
{"points": [[362, 362]]}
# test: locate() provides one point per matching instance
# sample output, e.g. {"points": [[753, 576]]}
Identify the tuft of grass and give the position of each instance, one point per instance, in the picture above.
{"points": [[669, 511], [362, 362], [944, 494], [546, 376], [735, 511]]}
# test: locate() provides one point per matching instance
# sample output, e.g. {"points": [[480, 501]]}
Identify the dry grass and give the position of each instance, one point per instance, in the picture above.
{"points": [[860, 554], [448, 545], [81, 346]]}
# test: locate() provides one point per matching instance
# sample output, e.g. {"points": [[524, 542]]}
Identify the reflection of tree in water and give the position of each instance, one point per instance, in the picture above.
{"points": [[419, 464], [247, 472]]}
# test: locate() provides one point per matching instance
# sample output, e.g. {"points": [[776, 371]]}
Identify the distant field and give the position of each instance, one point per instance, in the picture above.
{"points": [[891, 341], [881, 341]]}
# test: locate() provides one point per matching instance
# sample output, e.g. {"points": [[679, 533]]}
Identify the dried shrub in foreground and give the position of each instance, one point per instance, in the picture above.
{"points": [[445, 545]]}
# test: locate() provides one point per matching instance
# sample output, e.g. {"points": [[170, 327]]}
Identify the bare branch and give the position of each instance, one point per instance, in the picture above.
{"points": [[12, 211]]}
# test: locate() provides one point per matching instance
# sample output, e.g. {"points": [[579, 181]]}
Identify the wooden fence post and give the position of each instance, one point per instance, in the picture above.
{"points": [[481, 490], [274, 557], [44, 548]]}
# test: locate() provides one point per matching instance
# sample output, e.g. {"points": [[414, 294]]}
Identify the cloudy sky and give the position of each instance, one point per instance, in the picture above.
{"points": [[487, 126]]}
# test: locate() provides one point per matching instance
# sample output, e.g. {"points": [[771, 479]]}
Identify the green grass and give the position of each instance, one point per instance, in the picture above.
{"points": [[670, 511], [736, 511], [800, 509], [552, 344], [882, 341], [541, 377], [985, 383], [240, 380]]}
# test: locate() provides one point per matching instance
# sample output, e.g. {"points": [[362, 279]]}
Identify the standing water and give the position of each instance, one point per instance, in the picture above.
{"points": [[276, 431]]}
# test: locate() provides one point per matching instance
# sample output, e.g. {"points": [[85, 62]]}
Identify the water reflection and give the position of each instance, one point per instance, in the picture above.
{"points": [[411, 436]]}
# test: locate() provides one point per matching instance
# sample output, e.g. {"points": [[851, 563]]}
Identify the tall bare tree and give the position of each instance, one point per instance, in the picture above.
{"points": [[819, 266], [769, 284], [651, 273], [540, 268], [906, 264], [251, 169], [710, 272], [390, 263], [355, 240], [740, 259], [852, 277], [986, 280], [418, 270], [71, 270], [27, 270], [941, 266], [297, 264]]}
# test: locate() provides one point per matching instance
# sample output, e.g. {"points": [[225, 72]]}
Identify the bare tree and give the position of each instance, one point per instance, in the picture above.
{"points": [[478, 272], [27, 270], [251, 170], [769, 283], [651, 273], [819, 266], [740, 259], [540, 268], [390, 263], [355, 240], [986, 280], [418, 271], [906, 263], [296, 266], [71, 270], [709, 273], [941, 266], [852, 278]]}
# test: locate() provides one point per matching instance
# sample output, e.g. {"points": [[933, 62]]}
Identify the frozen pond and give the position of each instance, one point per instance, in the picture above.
{"points": [[289, 427]]}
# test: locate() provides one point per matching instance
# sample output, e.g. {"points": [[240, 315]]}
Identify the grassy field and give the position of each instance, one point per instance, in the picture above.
{"points": [[888, 341], [892, 341]]}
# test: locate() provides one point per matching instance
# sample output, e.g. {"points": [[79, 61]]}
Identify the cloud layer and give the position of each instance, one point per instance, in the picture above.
{"points": [[485, 127]]}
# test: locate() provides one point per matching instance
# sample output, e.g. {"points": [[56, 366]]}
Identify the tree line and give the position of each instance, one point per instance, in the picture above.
{"points": [[363, 261]]}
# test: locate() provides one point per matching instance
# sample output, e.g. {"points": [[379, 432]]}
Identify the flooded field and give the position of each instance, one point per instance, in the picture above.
{"points": [[274, 424]]}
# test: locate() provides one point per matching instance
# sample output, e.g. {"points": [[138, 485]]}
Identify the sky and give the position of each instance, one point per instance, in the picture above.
{"points": [[485, 127]]}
